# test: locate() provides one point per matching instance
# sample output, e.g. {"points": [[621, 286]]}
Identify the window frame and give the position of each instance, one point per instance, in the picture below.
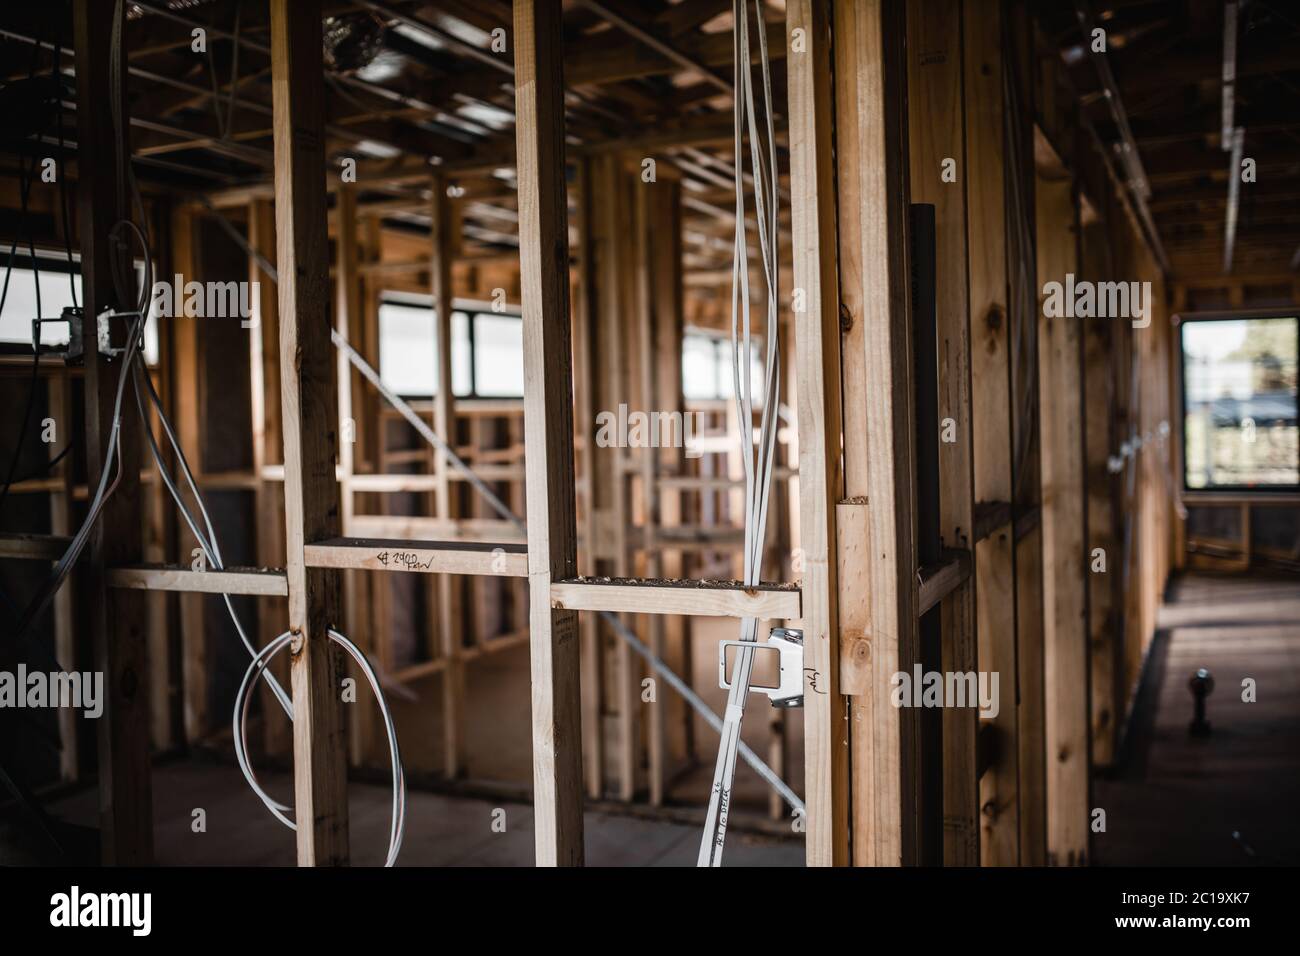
{"points": [[472, 308], [1220, 492]]}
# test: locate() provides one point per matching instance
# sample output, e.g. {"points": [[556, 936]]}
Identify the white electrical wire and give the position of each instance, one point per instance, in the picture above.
{"points": [[122, 280], [258, 666], [758, 461], [209, 544], [397, 824]]}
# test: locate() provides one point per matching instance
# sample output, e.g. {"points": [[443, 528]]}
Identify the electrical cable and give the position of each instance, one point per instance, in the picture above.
{"points": [[657, 664], [397, 826], [260, 659], [208, 543], [758, 460], [24, 193]]}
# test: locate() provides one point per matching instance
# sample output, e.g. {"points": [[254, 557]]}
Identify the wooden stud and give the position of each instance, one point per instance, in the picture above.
{"points": [[548, 429], [1100, 376], [451, 620], [307, 372], [1022, 315], [646, 512], [1065, 647], [817, 353], [593, 742], [65, 638], [268, 445], [991, 419], [872, 139], [667, 325], [935, 101], [116, 618], [187, 371]]}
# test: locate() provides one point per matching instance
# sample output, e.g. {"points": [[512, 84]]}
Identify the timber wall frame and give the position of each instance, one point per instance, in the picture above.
{"points": [[873, 123]]}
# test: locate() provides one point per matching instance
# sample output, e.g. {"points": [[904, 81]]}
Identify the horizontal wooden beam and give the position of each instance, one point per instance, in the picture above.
{"points": [[37, 547], [507, 559], [935, 582], [990, 516], [157, 577], [419, 528], [704, 598]]}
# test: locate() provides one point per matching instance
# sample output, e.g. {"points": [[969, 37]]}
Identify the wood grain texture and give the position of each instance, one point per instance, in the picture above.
{"points": [[935, 583], [664, 597], [986, 227], [268, 446], [817, 356], [548, 429], [1065, 638], [869, 103], [116, 618], [450, 616], [585, 317], [1022, 315], [187, 391], [310, 427], [423, 557], [936, 125], [1101, 374], [172, 578]]}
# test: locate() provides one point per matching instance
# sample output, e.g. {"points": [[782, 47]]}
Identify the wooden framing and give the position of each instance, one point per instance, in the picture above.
{"points": [[1004, 576], [1065, 645], [428, 557], [187, 403], [548, 429], [448, 598], [1022, 314], [659, 597], [307, 370], [116, 617], [991, 438], [877, 362], [812, 177], [228, 581], [936, 126]]}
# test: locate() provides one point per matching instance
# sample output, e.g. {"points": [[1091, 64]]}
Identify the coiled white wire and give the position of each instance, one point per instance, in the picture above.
{"points": [[397, 824], [257, 668]]}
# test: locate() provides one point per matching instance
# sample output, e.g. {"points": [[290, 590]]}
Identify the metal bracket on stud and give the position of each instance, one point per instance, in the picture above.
{"points": [[788, 643]]}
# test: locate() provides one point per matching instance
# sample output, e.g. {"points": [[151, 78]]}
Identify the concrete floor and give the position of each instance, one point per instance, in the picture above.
{"points": [[441, 830], [1178, 800]]}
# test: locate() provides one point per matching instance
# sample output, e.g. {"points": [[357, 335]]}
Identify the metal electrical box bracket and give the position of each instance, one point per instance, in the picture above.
{"points": [[788, 643]]}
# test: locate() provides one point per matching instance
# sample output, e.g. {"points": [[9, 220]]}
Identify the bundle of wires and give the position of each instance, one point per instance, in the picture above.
{"points": [[121, 236], [758, 458]]}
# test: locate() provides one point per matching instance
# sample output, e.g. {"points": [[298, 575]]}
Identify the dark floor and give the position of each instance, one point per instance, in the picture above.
{"points": [[1232, 798], [440, 831]]}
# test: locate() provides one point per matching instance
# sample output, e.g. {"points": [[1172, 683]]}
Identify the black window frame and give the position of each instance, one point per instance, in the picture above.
{"points": [[1190, 494], [472, 309]]}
